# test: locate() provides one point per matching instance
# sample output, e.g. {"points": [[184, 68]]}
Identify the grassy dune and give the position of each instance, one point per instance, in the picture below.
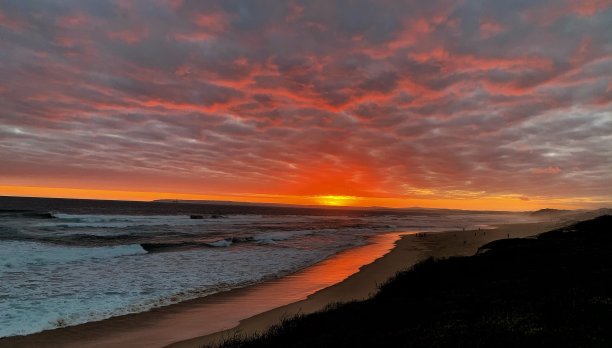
{"points": [[553, 290]]}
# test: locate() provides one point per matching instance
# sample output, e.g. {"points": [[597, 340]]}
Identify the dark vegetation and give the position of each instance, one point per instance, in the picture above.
{"points": [[551, 291]]}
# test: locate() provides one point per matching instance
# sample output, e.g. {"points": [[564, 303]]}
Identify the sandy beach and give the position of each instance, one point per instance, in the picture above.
{"points": [[408, 251], [350, 275]]}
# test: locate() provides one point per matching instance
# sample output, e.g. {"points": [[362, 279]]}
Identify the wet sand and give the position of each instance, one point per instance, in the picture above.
{"points": [[350, 275]]}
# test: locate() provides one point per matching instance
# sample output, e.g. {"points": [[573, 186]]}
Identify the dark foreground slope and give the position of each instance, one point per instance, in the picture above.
{"points": [[554, 290]]}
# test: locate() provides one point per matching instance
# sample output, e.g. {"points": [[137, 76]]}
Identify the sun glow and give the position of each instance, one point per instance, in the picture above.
{"points": [[431, 199], [336, 200]]}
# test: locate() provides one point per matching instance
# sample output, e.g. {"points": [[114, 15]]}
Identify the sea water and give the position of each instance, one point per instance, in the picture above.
{"points": [[94, 260]]}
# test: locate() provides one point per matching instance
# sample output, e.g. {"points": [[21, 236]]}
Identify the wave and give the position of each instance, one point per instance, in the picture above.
{"points": [[19, 256], [154, 241], [223, 243], [268, 238], [165, 247], [31, 214], [181, 246], [274, 237], [77, 240], [121, 221]]}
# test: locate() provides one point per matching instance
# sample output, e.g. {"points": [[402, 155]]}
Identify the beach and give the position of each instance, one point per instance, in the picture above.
{"points": [[354, 274], [408, 251]]}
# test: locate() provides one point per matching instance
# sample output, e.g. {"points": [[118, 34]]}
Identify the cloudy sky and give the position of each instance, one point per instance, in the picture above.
{"points": [[481, 104]]}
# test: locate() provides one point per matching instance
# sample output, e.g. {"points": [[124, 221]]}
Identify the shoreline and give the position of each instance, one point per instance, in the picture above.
{"points": [[408, 251], [356, 274], [226, 308]]}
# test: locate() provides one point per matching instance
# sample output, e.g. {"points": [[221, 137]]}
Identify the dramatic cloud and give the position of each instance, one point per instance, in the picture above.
{"points": [[403, 101]]}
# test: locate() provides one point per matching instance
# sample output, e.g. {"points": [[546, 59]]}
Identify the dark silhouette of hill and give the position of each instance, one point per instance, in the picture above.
{"points": [[550, 212], [554, 290]]}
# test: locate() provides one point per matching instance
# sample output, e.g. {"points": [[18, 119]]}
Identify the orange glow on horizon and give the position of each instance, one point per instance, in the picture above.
{"points": [[337, 200], [502, 203]]}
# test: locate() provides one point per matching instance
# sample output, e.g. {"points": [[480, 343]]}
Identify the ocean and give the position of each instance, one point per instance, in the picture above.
{"points": [[65, 262]]}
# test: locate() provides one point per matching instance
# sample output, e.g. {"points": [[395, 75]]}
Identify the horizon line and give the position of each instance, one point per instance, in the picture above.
{"points": [[284, 205]]}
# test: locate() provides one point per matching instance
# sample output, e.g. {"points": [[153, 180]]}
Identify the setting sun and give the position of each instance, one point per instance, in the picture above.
{"points": [[336, 200]]}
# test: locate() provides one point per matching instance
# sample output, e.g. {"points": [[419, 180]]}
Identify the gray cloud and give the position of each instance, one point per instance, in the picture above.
{"points": [[262, 97]]}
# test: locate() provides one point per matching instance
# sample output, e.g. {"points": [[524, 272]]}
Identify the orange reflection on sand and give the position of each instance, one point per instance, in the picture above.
{"points": [[225, 310], [198, 317], [336, 269]]}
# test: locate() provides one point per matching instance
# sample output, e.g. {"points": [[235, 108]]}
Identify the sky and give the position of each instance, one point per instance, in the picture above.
{"points": [[503, 105]]}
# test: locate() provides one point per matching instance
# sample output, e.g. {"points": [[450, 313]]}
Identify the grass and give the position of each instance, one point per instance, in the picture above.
{"points": [[554, 290]]}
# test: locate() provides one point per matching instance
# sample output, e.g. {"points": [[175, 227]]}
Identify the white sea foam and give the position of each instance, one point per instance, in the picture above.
{"points": [[121, 221], [39, 295], [221, 243], [18, 256], [273, 237]]}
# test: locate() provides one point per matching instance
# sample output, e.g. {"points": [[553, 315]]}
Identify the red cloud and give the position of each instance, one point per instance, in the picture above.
{"points": [[129, 36], [581, 8], [214, 22], [490, 28], [14, 24], [587, 8]]}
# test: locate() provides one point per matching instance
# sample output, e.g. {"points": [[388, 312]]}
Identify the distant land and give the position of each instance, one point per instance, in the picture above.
{"points": [[258, 204], [575, 215], [345, 207], [7, 202], [551, 212]]}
